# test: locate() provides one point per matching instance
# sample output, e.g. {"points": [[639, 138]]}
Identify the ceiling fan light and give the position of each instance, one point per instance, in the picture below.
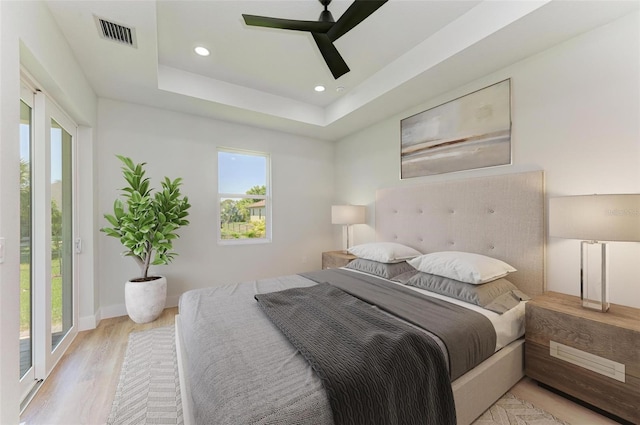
{"points": [[202, 51]]}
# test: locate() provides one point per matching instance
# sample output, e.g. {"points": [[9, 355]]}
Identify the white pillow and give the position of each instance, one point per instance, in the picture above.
{"points": [[462, 266], [384, 252]]}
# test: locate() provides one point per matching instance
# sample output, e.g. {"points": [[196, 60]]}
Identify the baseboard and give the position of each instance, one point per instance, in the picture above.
{"points": [[86, 323], [115, 310], [109, 311]]}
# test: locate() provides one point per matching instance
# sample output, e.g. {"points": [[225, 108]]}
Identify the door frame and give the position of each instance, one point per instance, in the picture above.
{"points": [[44, 109]]}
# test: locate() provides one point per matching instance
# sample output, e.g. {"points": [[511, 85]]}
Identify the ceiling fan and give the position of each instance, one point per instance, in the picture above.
{"points": [[325, 30]]}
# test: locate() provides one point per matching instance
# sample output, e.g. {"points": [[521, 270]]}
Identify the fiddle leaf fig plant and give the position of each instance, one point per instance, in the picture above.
{"points": [[146, 222]]}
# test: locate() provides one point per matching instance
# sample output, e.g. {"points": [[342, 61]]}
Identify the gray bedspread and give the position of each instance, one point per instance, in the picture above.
{"points": [[376, 370], [469, 337], [242, 369]]}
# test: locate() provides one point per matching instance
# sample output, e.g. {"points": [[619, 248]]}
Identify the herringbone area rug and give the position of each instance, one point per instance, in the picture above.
{"points": [[149, 388], [510, 410]]}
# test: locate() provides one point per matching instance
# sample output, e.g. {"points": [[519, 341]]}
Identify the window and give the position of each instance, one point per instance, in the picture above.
{"points": [[244, 197]]}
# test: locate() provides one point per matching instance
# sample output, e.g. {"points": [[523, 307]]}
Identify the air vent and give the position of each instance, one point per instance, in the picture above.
{"points": [[116, 32]]}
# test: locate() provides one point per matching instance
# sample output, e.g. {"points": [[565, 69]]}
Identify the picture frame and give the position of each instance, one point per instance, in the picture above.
{"points": [[469, 132]]}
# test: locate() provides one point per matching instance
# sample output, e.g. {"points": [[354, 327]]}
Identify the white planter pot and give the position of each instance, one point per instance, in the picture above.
{"points": [[145, 300]]}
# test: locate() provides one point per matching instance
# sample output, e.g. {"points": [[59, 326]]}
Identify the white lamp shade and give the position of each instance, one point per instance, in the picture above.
{"points": [[596, 217], [348, 214]]}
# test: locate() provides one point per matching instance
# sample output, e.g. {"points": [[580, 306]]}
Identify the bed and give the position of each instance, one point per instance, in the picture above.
{"points": [[261, 378]]}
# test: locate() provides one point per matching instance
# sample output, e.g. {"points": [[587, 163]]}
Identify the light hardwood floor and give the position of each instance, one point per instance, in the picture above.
{"points": [[81, 387], [560, 407]]}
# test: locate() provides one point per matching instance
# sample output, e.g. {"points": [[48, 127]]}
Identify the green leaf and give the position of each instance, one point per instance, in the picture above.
{"points": [[110, 232], [127, 161], [112, 220], [118, 209]]}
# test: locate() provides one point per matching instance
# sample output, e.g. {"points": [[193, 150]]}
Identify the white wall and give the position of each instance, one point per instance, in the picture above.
{"points": [[29, 35], [575, 113], [180, 145]]}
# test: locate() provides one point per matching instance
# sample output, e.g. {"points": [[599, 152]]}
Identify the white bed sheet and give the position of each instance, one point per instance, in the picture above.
{"points": [[509, 326]]}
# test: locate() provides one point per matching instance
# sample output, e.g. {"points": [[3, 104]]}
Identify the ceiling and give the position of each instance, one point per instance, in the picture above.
{"points": [[403, 54]]}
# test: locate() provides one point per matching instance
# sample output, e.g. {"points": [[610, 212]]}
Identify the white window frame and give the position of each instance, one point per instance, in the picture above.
{"points": [[266, 197]]}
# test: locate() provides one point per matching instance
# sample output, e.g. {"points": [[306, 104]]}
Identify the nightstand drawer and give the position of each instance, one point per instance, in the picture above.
{"points": [[606, 393], [581, 332]]}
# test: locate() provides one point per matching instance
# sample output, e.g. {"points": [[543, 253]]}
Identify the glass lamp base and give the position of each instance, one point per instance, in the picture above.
{"points": [[594, 274]]}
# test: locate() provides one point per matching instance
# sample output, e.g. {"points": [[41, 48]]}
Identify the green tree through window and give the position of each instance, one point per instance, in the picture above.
{"points": [[243, 196]]}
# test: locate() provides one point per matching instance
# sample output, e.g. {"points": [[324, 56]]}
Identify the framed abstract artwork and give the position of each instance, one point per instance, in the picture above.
{"points": [[472, 131]]}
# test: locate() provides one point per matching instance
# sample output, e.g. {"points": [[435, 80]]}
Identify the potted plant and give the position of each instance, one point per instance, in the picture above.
{"points": [[146, 225]]}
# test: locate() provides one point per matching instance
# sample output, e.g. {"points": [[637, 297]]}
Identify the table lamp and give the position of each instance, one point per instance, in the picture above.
{"points": [[348, 215], [594, 219]]}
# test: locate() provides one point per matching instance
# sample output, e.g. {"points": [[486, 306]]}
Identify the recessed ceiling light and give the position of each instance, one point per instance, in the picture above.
{"points": [[202, 51], [339, 89], [319, 88]]}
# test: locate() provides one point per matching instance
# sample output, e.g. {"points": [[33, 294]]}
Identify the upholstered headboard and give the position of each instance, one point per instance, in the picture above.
{"points": [[498, 216]]}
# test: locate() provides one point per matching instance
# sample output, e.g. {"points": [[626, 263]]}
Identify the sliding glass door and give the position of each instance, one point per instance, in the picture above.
{"points": [[27, 376], [61, 233], [47, 271]]}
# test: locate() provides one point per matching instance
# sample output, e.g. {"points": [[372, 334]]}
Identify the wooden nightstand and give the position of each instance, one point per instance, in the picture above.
{"points": [[335, 259], [560, 333]]}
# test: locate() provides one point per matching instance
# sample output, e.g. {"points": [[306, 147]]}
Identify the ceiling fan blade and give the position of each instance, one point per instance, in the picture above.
{"points": [[287, 24], [356, 13], [336, 64]]}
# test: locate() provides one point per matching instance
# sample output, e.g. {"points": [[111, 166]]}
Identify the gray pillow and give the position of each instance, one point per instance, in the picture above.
{"points": [[404, 277], [386, 270], [498, 295]]}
